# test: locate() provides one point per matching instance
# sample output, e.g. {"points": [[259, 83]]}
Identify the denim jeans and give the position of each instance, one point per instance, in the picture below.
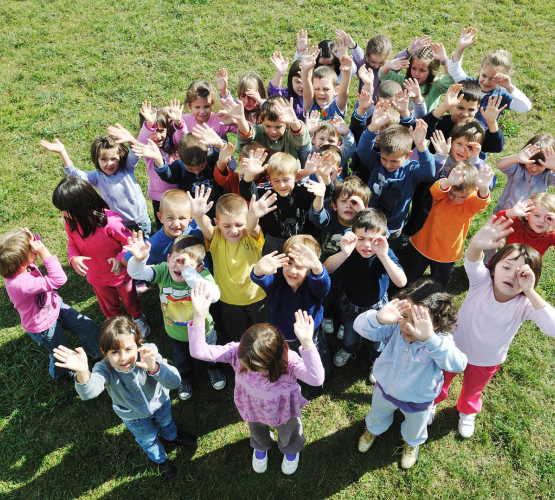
{"points": [[72, 321], [144, 225], [146, 431], [181, 357]]}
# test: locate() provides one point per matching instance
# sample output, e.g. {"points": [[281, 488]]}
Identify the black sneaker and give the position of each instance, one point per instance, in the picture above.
{"points": [[167, 469], [217, 378], [185, 391], [315, 392], [184, 438]]}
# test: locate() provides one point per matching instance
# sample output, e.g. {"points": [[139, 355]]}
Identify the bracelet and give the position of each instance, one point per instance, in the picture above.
{"points": [[443, 63], [154, 373]]}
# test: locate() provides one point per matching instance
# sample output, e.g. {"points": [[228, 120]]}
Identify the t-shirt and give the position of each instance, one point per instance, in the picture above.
{"points": [[329, 111], [233, 263], [175, 299]]}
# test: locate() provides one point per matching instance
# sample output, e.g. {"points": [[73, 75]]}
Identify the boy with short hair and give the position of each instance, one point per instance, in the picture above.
{"points": [[365, 275], [235, 244], [440, 242], [44, 315], [176, 278]]}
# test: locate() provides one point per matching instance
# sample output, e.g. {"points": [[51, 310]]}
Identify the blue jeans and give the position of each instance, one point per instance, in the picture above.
{"points": [[72, 321], [143, 225], [146, 431], [181, 357]]}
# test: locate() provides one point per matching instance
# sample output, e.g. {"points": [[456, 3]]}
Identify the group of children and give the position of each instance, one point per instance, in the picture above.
{"points": [[291, 242]]}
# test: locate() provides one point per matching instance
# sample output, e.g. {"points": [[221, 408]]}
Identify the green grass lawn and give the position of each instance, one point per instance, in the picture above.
{"points": [[70, 69]]}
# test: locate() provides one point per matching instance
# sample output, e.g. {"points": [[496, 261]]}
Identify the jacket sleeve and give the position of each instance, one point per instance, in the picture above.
{"points": [[445, 354], [213, 353], [96, 383], [91, 176], [56, 277], [139, 270], [520, 103], [456, 71], [545, 319], [365, 151], [427, 166], [167, 376], [319, 284], [171, 174], [309, 369], [368, 326]]}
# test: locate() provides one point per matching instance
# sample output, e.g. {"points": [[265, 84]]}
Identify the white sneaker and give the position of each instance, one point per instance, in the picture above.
{"points": [[371, 377], [143, 326], [409, 456], [341, 358], [259, 464], [466, 424], [327, 325], [289, 467], [432, 411], [340, 332]]}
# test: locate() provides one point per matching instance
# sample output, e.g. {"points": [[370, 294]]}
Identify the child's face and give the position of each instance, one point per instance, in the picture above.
{"points": [[179, 261], [124, 358], [465, 109], [486, 78], [233, 228], [274, 130], [294, 275], [324, 91], [345, 208], [393, 161], [175, 219], [376, 61], [535, 168], [159, 136], [420, 70], [196, 169], [201, 109], [326, 61], [282, 184], [249, 103], [457, 197], [364, 241], [460, 150], [297, 85], [505, 282], [108, 161], [537, 219], [324, 137], [407, 319]]}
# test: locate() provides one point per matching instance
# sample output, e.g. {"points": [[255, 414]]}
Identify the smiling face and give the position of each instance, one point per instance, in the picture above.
{"points": [[274, 130], [460, 149], [419, 70], [175, 219], [364, 241], [232, 228], [201, 109], [124, 358], [282, 184], [324, 137], [486, 78], [465, 109], [505, 282], [294, 275], [324, 91], [537, 219], [159, 136], [177, 262], [108, 161], [534, 168], [392, 162]]}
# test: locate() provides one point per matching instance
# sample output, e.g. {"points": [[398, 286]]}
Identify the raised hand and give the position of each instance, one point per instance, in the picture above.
{"points": [[357, 203], [419, 43], [325, 169], [452, 97], [254, 164], [149, 150], [491, 235], [139, 248], [148, 359], [367, 77], [279, 63], [549, 161], [504, 81], [121, 134], [313, 163], [221, 81], [117, 266], [341, 49], [401, 102], [317, 188], [303, 42], [380, 117], [36, 246], [232, 109], [418, 133], [304, 329], [207, 136], [149, 113], [54, 147], [346, 38], [524, 155], [380, 246], [457, 176], [398, 64], [303, 257], [200, 204], [441, 145], [364, 101], [78, 263], [438, 51], [254, 94], [521, 208], [70, 359], [259, 208], [467, 38], [339, 125], [308, 60], [484, 178], [492, 110], [393, 311], [550, 219], [175, 111], [413, 88], [348, 243], [525, 277], [201, 298], [312, 122], [269, 264], [285, 111], [423, 327]]}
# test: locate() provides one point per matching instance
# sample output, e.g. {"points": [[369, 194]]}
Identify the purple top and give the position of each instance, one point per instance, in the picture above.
{"points": [[284, 92]]}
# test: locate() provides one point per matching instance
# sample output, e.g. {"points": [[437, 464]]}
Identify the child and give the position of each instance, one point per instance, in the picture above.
{"points": [[280, 129], [296, 280], [266, 373], [320, 91], [294, 89], [423, 67], [175, 278], [365, 275], [440, 242], [392, 176], [44, 315], [497, 303], [96, 237], [293, 201], [138, 380], [114, 177], [251, 93], [415, 327], [236, 246], [530, 171], [494, 76]]}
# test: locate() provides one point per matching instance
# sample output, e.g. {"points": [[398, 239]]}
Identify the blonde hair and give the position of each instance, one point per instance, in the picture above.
{"points": [[547, 200], [303, 239], [499, 60], [14, 252], [174, 197], [282, 164], [469, 183], [395, 140], [231, 205], [200, 89]]}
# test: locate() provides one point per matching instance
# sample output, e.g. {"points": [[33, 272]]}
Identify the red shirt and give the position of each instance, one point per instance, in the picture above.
{"points": [[523, 234]]}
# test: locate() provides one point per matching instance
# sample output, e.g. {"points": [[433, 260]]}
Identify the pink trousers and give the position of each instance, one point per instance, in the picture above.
{"points": [[475, 379], [109, 299]]}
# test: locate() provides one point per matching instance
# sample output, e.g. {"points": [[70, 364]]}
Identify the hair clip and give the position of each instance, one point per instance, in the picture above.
{"points": [[432, 300], [133, 330]]}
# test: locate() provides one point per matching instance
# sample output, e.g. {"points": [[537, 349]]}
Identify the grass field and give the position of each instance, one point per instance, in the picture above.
{"points": [[70, 69]]}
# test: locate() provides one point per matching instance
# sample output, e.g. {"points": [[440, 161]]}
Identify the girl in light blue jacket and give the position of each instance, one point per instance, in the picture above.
{"points": [[409, 372]]}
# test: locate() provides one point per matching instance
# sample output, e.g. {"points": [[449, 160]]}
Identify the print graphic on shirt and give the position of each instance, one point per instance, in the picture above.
{"points": [[331, 243], [390, 198], [40, 300], [290, 227], [177, 307]]}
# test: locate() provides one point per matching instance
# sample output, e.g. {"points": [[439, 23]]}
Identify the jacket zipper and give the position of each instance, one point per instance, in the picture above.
{"points": [[399, 372]]}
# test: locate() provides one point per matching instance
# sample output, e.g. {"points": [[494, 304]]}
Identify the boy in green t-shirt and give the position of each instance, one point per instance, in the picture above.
{"points": [[176, 278]]}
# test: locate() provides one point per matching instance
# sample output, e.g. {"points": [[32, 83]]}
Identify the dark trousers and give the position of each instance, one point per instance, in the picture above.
{"points": [[237, 319], [156, 208], [319, 340], [182, 360], [416, 264]]}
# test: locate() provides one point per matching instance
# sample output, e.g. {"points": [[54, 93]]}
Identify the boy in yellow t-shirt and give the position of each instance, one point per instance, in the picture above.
{"points": [[235, 244]]}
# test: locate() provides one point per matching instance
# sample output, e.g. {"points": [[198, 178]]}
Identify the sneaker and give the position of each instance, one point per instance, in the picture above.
{"points": [[371, 377], [290, 466], [141, 287], [167, 469], [409, 456], [184, 438], [366, 441], [340, 332], [185, 391], [142, 325], [314, 392], [341, 358], [466, 424], [327, 325], [432, 411], [259, 464], [217, 378]]}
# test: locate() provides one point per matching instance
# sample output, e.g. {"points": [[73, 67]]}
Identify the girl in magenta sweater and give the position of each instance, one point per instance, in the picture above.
{"points": [[95, 248]]}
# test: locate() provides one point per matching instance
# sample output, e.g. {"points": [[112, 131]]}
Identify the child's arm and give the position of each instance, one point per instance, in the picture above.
{"points": [[254, 166], [519, 103], [234, 110], [140, 249], [523, 156], [121, 134], [347, 243], [466, 39], [307, 65], [304, 257], [200, 206], [269, 264], [208, 136], [311, 372], [281, 66], [389, 70], [489, 237], [221, 83], [258, 209], [483, 181], [381, 248], [58, 147], [77, 361], [348, 144], [419, 108], [380, 325], [287, 115], [318, 189], [492, 112], [343, 92], [450, 101], [439, 53], [519, 209]]}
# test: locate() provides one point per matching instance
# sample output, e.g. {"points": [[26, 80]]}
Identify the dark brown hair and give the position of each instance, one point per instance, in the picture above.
{"points": [[351, 186], [370, 219], [15, 251], [115, 327], [262, 349], [191, 151], [190, 245], [531, 257], [108, 142], [425, 54]]}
